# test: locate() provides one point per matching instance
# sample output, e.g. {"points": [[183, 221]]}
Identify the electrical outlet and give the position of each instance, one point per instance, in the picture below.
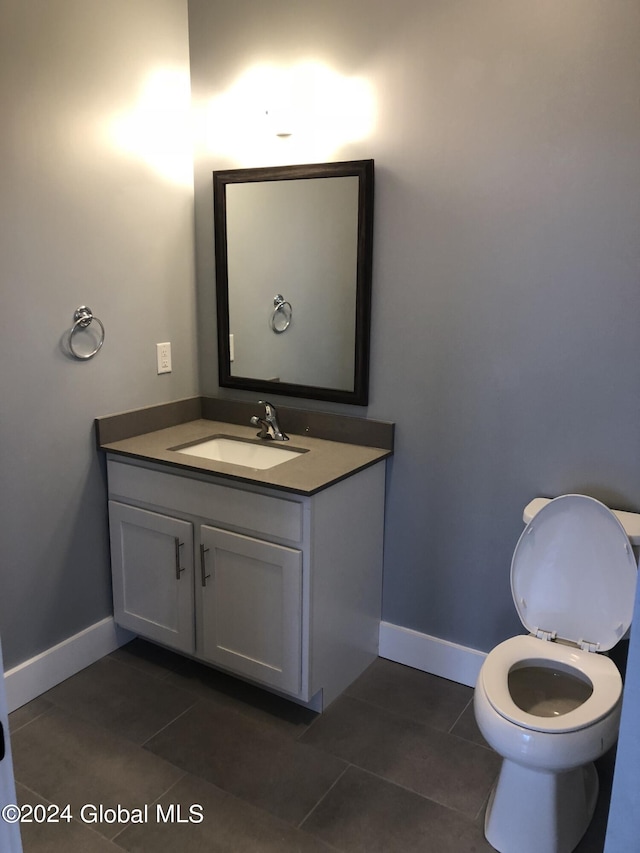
{"points": [[163, 355]]}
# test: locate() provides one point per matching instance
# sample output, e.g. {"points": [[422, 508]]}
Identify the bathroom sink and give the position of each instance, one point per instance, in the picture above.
{"points": [[239, 451]]}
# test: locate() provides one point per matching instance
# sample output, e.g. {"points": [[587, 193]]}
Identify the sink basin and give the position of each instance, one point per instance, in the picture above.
{"points": [[238, 451]]}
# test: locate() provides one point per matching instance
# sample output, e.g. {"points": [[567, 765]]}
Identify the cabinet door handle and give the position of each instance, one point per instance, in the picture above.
{"points": [[179, 569], [203, 567]]}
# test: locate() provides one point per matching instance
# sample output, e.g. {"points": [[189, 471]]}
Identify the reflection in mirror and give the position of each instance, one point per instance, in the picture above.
{"points": [[293, 271]]}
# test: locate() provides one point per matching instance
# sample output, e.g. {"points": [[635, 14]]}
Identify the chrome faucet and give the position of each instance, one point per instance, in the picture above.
{"points": [[269, 423]]}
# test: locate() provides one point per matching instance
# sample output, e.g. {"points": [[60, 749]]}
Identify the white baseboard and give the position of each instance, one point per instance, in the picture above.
{"points": [[402, 645], [430, 654], [42, 672]]}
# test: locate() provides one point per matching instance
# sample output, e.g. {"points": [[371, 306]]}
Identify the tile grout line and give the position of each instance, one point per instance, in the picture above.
{"points": [[414, 721], [459, 717], [459, 812], [330, 788], [168, 670], [43, 713], [63, 709], [419, 722], [139, 670], [485, 802], [157, 799], [74, 819], [143, 745], [484, 745], [464, 815]]}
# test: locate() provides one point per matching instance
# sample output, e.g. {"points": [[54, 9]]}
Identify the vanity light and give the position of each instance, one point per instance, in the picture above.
{"points": [[316, 107], [281, 122]]}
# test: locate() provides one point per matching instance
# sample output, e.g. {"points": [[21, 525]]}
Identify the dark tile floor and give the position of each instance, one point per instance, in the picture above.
{"points": [[395, 765]]}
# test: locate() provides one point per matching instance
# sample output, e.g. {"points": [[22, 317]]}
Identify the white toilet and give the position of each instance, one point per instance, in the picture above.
{"points": [[548, 702]]}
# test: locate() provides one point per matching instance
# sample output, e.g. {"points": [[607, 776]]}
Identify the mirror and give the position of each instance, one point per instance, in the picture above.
{"points": [[293, 251]]}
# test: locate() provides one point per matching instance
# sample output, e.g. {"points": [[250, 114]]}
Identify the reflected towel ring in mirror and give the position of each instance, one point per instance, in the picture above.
{"points": [[83, 317], [282, 314]]}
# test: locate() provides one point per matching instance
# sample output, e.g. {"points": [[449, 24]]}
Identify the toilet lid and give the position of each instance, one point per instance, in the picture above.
{"points": [[573, 573]]}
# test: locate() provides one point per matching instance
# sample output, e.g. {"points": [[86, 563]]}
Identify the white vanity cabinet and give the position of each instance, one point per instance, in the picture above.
{"points": [[152, 573], [278, 588], [251, 607]]}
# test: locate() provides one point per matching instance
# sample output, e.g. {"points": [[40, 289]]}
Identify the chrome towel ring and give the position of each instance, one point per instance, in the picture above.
{"points": [[83, 317], [282, 314]]}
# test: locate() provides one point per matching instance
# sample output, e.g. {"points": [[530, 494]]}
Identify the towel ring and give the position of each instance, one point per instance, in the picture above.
{"points": [[83, 317], [282, 314]]}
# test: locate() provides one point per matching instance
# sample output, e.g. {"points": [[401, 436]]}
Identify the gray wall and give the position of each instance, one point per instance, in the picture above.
{"points": [[81, 222], [506, 305]]}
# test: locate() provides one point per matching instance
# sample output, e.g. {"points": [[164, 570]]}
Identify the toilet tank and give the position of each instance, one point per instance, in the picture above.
{"points": [[629, 520]]}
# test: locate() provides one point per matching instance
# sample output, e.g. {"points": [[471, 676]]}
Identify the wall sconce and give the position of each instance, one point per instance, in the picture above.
{"points": [[315, 107], [280, 122]]}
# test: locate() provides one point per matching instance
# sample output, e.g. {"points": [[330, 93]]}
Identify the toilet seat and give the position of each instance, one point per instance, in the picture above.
{"points": [[573, 574], [526, 649]]}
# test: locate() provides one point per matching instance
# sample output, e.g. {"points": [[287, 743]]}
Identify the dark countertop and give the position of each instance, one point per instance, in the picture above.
{"points": [[325, 463]]}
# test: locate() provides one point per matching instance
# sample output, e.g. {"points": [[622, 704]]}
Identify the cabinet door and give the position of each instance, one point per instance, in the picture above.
{"points": [[251, 607], [152, 570]]}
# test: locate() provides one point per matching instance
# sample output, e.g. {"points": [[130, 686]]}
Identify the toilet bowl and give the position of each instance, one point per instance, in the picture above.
{"points": [[548, 702]]}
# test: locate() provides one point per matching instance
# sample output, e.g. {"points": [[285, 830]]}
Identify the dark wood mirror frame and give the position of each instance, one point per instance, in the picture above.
{"points": [[364, 171]]}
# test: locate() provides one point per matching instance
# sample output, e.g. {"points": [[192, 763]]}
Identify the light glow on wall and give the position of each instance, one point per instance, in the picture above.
{"points": [[158, 127], [283, 115]]}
